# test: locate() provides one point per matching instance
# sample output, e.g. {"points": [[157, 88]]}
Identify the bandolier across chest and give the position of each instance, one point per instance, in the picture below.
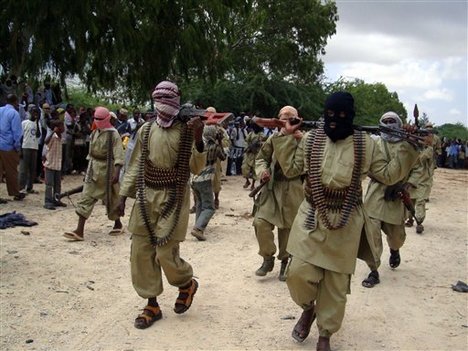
{"points": [[325, 199]]}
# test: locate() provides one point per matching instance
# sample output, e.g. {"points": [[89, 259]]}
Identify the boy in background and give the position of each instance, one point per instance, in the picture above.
{"points": [[53, 164]]}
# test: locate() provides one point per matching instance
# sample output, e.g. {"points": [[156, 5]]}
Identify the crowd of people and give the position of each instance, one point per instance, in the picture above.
{"points": [[310, 189], [453, 154]]}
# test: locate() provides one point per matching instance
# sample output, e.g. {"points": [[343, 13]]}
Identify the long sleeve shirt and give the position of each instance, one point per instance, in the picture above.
{"points": [[10, 129]]}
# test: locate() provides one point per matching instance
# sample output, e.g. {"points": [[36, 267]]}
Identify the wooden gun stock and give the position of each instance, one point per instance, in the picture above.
{"points": [[257, 189]]}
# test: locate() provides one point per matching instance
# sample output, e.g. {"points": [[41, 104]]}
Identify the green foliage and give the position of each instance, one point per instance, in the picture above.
{"points": [[80, 97], [257, 95], [371, 100], [453, 131], [128, 46]]}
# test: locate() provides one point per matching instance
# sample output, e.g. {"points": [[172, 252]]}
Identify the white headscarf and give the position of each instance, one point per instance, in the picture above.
{"points": [[395, 125]]}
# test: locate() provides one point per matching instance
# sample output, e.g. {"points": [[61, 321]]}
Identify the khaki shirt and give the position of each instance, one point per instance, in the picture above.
{"points": [[392, 212], [163, 151], [421, 174], [280, 198], [336, 250], [98, 152]]}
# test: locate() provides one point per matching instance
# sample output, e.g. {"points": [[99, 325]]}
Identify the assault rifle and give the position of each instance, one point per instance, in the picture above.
{"points": [[189, 111], [415, 138], [398, 192], [406, 199]]}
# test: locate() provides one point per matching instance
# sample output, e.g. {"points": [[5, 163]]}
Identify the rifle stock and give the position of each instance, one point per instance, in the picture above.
{"points": [[257, 189], [406, 199], [76, 190]]}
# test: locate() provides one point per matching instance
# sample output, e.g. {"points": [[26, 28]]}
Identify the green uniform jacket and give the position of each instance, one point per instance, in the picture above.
{"points": [[336, 250], [392, 212], [163, 150], [279, 199]]}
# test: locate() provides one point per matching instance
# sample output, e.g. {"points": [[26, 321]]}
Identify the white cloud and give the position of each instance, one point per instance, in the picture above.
{"points": [[405, 74], [438, 94], [416, 48]]}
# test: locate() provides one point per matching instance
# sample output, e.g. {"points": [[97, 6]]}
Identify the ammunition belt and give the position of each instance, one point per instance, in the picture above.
{"points": [[177, 188], [159, 178], [334, 198], [343, 200]]}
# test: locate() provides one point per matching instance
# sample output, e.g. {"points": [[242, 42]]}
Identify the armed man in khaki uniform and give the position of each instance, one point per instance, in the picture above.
{"points": [[225, 142], [384, 205], [327, 231], [105, 158], [157, 177], [436, 152], [277, 204], [420, 179], [254, 142]]}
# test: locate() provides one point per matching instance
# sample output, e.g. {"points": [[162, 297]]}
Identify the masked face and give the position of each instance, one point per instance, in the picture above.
{"points": [[102, 118], [339, 116], [102, 123], [392, 120]]}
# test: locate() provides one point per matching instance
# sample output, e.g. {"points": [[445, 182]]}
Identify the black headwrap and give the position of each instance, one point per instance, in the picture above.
{"points": [[339, 102]]}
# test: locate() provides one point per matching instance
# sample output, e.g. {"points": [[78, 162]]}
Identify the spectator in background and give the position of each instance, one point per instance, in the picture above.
{"points": [[49, 94], [136, 121], [53, 165], [30, 146], [121, 124], [81, 134], [29, 92], [236, 154], [44, 121], [461, 155], [452, 154], [67, 157], [10, 145]]}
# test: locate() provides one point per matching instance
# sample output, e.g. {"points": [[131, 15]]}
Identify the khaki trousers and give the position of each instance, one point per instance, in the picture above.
{"points": [[147, 261], [308, 284], [217, 177], [266, 239], [420, 209], [92, 192], [395, 234]]}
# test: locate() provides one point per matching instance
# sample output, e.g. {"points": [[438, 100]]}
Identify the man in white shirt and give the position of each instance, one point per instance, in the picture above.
{"points": [[30, 145]]}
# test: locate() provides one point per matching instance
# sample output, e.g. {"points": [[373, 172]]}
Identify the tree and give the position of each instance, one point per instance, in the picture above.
{"points": [[258, 95], [131, 45], [371, 100], [453, 131]]}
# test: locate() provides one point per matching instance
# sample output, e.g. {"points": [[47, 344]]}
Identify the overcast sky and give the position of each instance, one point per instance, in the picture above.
{"points": [[416, 48]]}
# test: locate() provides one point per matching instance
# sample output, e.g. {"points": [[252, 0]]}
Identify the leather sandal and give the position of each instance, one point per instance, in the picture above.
{"points": [[146, 319], [394, 260], [371, 280], [302, 328], [185, 298]]}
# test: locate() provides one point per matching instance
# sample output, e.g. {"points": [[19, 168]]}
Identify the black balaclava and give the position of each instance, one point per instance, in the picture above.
{"points": [[339, 102]]}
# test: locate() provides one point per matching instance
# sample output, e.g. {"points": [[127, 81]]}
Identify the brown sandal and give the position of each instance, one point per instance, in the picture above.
{"points": [[185, 298], [302, 328], [146, 319]]}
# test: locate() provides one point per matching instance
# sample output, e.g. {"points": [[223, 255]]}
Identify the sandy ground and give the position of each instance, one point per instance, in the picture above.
{"points": [[60, 295]]}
